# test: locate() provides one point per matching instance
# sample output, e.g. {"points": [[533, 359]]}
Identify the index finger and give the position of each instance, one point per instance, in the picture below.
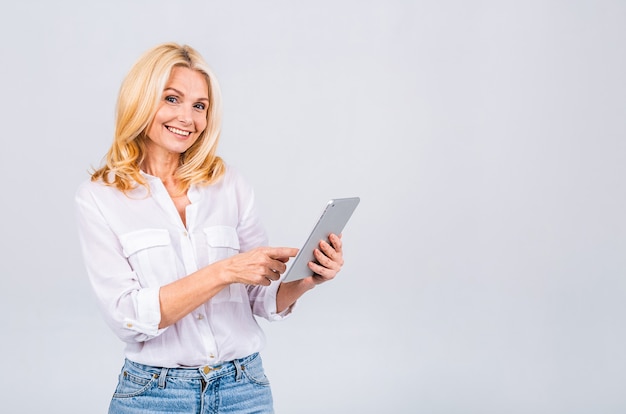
{"points": [[281, 252]]}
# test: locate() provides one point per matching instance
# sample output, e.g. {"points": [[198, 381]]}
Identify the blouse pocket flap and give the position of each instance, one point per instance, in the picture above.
{"points": [[142, 239], [222, 236]]}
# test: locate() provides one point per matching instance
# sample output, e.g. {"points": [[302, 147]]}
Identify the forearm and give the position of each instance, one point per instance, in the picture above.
{"points": [[257, 267], [289, 292], [180, 298]]}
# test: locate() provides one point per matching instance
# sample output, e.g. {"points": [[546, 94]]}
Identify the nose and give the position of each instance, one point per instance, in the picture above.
{"points": [[184, 115]]}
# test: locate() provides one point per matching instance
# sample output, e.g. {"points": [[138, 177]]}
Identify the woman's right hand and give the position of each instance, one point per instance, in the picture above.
{"points": [[259, 266]]}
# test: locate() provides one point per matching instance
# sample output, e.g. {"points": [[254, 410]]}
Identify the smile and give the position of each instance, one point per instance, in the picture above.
{"points": [[178, 131]]}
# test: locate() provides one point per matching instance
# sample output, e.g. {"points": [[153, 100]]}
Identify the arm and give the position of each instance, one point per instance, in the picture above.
{"points": [[330, 259], [139, 307], [259, 266]]}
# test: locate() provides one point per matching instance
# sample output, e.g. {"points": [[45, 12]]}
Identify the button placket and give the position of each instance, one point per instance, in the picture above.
{"points": [[188, 254]]}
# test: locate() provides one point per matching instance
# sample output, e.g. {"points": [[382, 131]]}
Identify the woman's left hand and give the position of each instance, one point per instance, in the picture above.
{"points": [[329, 259], [329, 262]]}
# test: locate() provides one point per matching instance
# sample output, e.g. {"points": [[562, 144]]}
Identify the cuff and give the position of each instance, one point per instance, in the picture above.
{"points": [[270, 304], [148, 314]]}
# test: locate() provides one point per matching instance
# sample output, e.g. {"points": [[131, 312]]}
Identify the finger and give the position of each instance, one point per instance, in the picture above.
{"points": [[336, 242], [332, 253], [272, 276], [281, 252], [326, 261], [277, 265], [262, 277], [327, 249], [322, 272]]}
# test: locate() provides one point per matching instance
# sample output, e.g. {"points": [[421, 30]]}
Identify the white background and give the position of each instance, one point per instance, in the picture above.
{"points": [[485, 265]]}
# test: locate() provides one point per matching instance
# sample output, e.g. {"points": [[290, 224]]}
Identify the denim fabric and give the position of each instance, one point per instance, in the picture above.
{"points": [[239, 386]]}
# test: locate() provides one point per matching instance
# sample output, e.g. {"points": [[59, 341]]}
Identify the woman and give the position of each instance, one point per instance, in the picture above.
{"points": [[175, 250]]}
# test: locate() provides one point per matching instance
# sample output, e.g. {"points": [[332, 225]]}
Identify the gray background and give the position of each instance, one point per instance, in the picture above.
{"points": [[485, 265]]}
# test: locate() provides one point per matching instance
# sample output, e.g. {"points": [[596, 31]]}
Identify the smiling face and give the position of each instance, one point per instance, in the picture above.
{"points": [[181, 115]]}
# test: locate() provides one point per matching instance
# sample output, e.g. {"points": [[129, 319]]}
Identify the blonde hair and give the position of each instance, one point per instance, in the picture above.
{"points": [[139, 97]]}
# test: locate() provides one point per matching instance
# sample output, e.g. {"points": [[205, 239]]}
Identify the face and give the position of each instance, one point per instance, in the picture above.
{"points": [[181, 115]]}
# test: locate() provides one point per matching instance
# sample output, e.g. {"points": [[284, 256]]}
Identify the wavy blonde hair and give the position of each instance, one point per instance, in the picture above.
{"points": [[138, 99]]}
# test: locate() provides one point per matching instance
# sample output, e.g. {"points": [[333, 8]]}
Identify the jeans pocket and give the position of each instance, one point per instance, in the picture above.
{"points": [[255, 373], [133, 385]]}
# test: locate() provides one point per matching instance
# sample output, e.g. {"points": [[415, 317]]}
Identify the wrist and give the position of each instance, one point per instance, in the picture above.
{"points": [[217, 273], [309, 283]]}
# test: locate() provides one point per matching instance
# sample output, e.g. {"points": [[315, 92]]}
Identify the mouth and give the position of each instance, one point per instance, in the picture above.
{"points": [[178, 131]]}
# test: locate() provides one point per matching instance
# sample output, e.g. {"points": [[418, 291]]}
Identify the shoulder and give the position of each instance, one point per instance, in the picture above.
{"points": [[234, 178], [99, 190], [234, 186], [88, 187]]}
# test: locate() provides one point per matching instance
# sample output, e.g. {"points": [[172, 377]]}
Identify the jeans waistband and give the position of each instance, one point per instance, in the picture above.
{"points": [[205, 371]]}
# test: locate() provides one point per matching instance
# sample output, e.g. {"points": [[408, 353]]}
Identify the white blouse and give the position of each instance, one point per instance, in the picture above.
{"points": [[135, 243]]}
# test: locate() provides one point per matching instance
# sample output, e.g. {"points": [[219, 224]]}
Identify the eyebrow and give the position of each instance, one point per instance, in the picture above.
{"points": [[182, 94]]}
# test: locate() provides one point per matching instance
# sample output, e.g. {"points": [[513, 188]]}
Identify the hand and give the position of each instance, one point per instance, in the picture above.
{"points": [[330, 259], [259, 266]]}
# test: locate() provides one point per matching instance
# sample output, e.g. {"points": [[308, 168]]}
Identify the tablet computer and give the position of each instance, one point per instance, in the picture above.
{"points": [[332, 220]]}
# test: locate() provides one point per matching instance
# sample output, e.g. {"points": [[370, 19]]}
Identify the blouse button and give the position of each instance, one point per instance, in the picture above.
{"points": [[200, 316]]}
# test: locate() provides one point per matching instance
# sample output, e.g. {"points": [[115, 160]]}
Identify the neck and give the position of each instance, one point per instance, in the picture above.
{"points": [[162, 167]]}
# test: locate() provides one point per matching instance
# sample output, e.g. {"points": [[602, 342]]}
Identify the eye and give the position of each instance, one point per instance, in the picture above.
{"points": [[171, 99], [200, 106]]}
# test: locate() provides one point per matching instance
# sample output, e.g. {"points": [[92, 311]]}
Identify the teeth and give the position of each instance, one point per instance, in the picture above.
{"points": [[179, 131]]}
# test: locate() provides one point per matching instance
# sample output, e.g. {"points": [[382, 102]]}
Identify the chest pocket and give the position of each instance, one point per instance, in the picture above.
{"points": [[150, 254], [223, 242]]}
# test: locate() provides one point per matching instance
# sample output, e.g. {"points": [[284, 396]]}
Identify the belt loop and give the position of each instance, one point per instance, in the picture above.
{"points": [[162, 377], [238, 370]]}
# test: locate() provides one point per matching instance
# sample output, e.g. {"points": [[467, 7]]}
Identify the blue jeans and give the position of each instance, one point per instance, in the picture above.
{"points": [[239, 386]]}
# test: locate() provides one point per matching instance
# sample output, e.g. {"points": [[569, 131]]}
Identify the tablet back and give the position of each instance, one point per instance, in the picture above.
{"points": [[332, 220]]}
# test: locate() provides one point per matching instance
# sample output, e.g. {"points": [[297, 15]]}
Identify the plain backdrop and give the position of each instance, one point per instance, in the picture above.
{"points": [[485, 267]]}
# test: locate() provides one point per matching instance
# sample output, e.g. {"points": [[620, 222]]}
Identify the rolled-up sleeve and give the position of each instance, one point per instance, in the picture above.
{"points": [[263, 302], [131, 310]]}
